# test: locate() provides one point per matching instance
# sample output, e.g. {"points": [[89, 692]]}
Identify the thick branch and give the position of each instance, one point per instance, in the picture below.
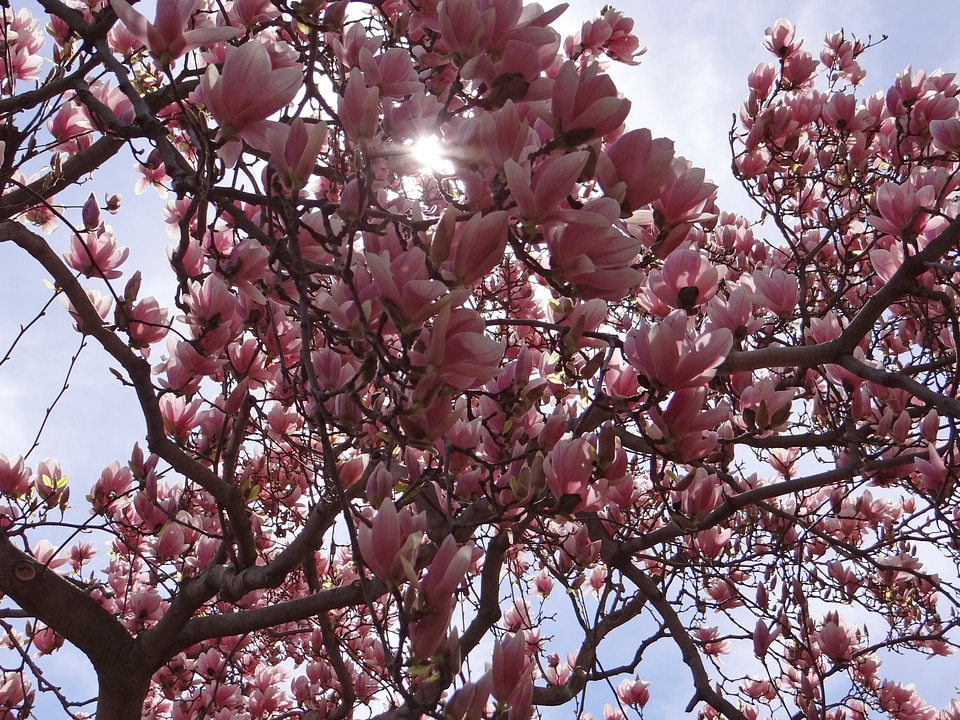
{"points": [[84, 162], [945, 405], [832, 352], [245, 621], [735, 503], [68, 610], [161, 641], [488, 611]]}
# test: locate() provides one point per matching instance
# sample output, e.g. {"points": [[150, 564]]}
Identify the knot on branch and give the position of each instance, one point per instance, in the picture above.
{"points": [[25, 571]]}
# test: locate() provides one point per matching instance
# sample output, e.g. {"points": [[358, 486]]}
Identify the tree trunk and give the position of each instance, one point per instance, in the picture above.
{"points": [[122, 693]]}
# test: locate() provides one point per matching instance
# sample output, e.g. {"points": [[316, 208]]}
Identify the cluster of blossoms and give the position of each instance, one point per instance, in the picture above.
{"points": [[392, 404]]}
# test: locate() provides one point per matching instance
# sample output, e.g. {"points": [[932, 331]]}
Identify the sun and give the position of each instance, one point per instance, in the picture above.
{"points": [[433, 155]]}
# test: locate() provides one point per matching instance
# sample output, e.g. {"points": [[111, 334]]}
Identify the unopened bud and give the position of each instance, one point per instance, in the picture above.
{"points": [[132, 288], [91, 213]]}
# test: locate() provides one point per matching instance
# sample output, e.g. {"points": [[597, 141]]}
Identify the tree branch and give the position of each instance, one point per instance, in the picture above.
{"points": [[139, 373]]}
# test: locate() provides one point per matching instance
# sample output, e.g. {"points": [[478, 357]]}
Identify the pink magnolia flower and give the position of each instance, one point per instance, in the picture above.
{"points": [[758, 689], [932, 474], [14, 476], [110, 491], [840, 54], [510, 666], [686, 431], [251, 12], [683, 201], [101, 303], [180, 418], [711, 542], [901, 208], [359, 108], [71, 128], [610, 34], [391, 71], [143, 609], [46, 640], [612, 713], [516, 74], [906, 90], [470, 701], [799, 69], [777, 291], [413, 118], [246, 93], [842, 112], [437, 598], [946, 134], [95, 254], [44, 215], [457, 351], [578, 550], [462, 25], [90, 213], [836, 641], [153, 173], [185, 367], [538, 197], [15, 692], [50, 484], [430, 414], [592, 254], [22, 39], [903, 702], [212, 306], [700, 497], [114, 98], [407, 291], [568, 469], [47, 553], [165, 37], [634, 692], [351, 43], [635, 168], [294, 149], [247, 267], [586, 105], [146, 323], [169, 543], [390, 543], [764, 407], [763, 638], [666, 353], [687, 280], [597, 263], [502, 135], [734, 313], [543, 583], [430, 633], [471, 249], [249, 362], [781, 39], [446, 572], [710, 640]]}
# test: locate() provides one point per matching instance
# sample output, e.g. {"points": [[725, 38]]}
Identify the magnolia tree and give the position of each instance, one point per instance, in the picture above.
{"points": [[464, 439]]}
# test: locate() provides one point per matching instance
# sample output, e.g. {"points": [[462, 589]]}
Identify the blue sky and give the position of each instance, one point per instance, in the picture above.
{"points": [[689, 84]]}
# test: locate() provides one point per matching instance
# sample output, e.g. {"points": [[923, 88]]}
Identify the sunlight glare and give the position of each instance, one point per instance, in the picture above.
{"points": [[432, 155]]}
